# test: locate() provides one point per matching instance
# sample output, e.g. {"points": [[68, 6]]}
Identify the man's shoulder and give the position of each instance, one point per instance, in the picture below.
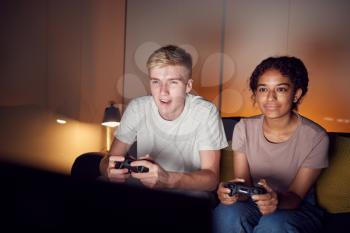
{"points": [[140, 101], [200, 103]]}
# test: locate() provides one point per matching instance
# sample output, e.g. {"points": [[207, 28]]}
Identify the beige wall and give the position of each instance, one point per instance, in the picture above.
{"points": [[85, 56], [23, 52], [193, 24], [66, 59], [246, 32], [31, 136], [315, 31]]}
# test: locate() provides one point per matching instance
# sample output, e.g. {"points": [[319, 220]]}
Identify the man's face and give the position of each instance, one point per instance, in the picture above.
{"points": [[169, 86]]}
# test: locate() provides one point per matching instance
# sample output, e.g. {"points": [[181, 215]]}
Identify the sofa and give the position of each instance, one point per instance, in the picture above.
{"points": [[332, 187]]}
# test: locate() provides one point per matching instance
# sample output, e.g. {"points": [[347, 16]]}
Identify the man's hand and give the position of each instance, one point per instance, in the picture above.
{"points": [[267, 203], [155, 177], [116, 175]]}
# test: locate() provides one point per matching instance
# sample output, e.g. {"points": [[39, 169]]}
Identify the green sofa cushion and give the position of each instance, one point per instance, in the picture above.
{"points": [[333, 186], [226, 163]]}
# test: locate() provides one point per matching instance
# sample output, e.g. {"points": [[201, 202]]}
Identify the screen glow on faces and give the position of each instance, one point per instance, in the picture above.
{"points": [[169, 86], [274, 94]]}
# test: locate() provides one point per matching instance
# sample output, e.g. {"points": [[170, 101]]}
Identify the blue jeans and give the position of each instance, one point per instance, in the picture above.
{"points": [[244, 217]]}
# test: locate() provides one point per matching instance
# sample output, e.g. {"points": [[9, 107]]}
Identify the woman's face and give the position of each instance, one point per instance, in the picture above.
{"points": [[275, 94]]}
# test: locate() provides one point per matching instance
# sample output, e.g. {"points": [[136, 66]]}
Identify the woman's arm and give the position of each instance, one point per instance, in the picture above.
{"points": [[241, 167], [291, 199], [241, 173], [300, 186]]}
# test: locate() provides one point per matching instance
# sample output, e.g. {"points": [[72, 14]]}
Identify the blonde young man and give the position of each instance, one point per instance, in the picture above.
{"points": [[179, 135]]}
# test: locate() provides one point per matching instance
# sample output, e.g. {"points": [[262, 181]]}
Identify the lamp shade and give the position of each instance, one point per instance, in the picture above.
{"points": [[111, 117]]}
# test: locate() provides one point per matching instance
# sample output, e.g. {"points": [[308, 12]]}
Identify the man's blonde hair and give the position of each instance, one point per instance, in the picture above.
{"points": [[170, 55]]}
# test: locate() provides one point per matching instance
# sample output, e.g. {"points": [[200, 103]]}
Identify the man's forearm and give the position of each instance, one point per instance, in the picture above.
{"points": [[203, 180]]}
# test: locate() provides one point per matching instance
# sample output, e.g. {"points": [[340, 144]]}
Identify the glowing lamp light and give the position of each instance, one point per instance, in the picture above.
{"points": [[111, 117], [60, 121], [111, 124]]}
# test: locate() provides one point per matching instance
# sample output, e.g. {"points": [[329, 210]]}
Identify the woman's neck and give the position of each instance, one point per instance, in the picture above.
{"points": [[280, 129]]}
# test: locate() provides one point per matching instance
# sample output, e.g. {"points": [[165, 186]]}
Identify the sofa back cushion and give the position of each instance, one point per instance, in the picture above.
{"points": [[333, 186], [226, 162]]}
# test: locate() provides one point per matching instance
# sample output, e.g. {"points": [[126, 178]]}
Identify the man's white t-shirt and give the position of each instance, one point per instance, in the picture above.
{"points": [[174, 145]]}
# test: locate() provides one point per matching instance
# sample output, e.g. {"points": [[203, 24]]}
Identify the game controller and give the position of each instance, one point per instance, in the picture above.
{"points": [[238, 187], [126, 164]]}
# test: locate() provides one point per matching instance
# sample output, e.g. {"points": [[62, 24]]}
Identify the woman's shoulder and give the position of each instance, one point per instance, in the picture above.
{"points": [[310, 125], [252, 120], [311, 129], [249, 124]]}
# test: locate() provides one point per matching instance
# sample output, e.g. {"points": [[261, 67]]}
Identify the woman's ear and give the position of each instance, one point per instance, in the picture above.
{"points": [[297, 95]]}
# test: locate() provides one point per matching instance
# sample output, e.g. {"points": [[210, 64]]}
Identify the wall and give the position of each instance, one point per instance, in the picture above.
{"points": [[58, 59], [230, 37], [23, 52], [31, 136], [315, 31], [85, 56], [195, 25]]}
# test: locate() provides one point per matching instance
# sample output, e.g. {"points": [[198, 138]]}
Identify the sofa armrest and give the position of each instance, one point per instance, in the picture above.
{"points": [[86, 166]]}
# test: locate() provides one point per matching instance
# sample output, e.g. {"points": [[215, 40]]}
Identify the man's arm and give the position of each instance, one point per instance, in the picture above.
{"points": [[205, 179], [118, 148]]}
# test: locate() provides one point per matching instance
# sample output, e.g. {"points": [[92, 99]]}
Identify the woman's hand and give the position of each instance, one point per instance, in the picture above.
{"points": [[223, 193], [267, 203]]}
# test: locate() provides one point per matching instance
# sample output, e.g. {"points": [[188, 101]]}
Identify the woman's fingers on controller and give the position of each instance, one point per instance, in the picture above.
{"points": [[264, 184], [238, 180]]}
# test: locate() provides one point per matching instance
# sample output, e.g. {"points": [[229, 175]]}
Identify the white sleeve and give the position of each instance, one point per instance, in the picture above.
{"points": [[127, 130], [212, 134]]}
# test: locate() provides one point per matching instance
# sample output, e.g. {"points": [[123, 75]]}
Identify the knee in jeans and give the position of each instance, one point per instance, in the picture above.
{"points": [[230, 218], [270, 223]]}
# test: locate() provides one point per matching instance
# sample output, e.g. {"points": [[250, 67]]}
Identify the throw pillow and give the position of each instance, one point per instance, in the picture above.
{"points": [[333, 187]]}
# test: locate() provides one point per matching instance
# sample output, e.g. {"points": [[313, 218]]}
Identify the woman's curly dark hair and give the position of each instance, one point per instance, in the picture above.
{"points": [[290, 67]]}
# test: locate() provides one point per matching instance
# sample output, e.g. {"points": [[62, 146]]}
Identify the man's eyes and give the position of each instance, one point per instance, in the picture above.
{"points": [[154, 81], [171, 82], [174, 82]]}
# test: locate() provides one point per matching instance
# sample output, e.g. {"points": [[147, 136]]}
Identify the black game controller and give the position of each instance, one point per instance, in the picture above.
{"points": [[126, 164], [238, 187]]}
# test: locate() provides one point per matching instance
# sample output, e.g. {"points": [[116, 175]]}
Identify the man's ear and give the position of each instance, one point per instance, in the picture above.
{"points": [[189, 85]]}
